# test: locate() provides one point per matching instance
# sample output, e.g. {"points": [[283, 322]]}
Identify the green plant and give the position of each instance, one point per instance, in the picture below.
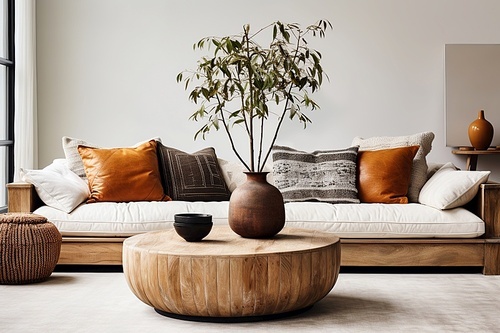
{"points": [[244, 83]]}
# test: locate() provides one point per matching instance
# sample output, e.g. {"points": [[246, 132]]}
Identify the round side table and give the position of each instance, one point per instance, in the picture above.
{"points": [[29, 248]]}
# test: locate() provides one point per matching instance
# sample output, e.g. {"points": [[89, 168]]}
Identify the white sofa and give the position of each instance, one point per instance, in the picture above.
{"points": [[411, 234], [453, 218]]}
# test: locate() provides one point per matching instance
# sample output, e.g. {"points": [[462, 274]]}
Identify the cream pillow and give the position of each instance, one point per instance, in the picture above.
{"points": [[57, 186], [450, 188], [419, 168], [234, 175]]}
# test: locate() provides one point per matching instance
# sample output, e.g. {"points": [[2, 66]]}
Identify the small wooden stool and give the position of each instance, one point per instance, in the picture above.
{"points": [[29, 248]]}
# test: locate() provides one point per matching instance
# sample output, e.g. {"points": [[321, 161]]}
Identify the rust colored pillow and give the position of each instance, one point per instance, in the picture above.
{"points": [[384, 175], [123, 174]]}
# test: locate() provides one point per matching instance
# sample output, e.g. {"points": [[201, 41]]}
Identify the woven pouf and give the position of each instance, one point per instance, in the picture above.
{"points": [[29, 248]]}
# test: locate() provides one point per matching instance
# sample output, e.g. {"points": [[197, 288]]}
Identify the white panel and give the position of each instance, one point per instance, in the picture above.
{"points": [[472, 84]]}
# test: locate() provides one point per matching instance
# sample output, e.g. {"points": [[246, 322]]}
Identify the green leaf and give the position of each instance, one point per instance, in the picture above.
{"points": [[293, 111], [229, 46], [238, 121]]}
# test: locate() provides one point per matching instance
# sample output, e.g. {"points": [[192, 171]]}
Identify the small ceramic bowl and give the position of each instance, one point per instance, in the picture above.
{"points": [[193, 227]]}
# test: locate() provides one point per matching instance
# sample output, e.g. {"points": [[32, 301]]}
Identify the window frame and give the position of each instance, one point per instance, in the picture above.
{"points": [[10, 70]]}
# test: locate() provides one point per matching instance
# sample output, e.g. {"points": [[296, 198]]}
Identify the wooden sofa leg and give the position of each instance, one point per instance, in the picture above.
{"points": [[492, 257]]}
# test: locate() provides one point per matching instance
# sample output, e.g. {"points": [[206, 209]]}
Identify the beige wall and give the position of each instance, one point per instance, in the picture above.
{"points": [[107, 68]]}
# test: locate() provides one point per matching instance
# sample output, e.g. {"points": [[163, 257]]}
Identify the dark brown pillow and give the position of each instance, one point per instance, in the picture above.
{"points": [[123, 174], [384, 175], [192, 177]]}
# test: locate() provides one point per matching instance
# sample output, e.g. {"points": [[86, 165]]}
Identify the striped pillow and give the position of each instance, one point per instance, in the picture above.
{"points": [[327, 175], [192, 177]]}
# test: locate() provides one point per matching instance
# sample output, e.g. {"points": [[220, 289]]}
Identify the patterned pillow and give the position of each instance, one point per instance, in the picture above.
{"points": [[328, 175], [419, 168], [192, 177], [73, 158]]}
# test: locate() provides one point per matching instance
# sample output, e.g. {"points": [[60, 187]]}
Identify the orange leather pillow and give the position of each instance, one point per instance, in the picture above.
{"points": [[123, 174], [384, 175]]}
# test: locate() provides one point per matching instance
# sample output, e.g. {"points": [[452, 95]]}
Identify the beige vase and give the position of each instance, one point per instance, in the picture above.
{"points": [[256, 208], [480, 132]]}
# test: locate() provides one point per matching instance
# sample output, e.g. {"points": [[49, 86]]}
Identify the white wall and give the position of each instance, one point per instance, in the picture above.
{"points": [[107, 68]]}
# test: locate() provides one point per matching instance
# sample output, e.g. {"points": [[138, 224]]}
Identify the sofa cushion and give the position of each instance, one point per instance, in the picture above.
{"points": [[450, 188], [323, 175], [192, 177], [419, 168], [57, 186], [365, 220], [384, 175], [347, 220], [73, 158], [123, 174]]}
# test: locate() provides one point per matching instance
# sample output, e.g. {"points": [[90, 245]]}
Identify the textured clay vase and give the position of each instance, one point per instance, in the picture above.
{"points": [[480, 132], [256, 208]]}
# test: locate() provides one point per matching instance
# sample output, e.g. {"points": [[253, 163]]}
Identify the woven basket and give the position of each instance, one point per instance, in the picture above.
{"points": [[29, 248]]}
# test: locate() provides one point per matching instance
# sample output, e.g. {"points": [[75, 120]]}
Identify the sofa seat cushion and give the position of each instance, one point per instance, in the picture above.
{"points": [[123, 219], [346, 220], [385, 220]]}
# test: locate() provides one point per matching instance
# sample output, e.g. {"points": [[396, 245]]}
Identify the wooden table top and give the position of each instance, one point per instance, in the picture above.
{"points": [[222, 241], [491, 151]]}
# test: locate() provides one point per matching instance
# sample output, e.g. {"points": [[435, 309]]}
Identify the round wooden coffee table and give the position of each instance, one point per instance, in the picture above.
{"points": [[229, 278]]}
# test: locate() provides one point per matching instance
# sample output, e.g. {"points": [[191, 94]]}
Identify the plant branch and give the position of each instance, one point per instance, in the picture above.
{"points": [[261, 142], [249, 67], [231, 137], [285, 108]]}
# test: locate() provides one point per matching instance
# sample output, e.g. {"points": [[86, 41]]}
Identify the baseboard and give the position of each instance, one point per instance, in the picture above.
{"points": [[411, 270], [343, 269]]}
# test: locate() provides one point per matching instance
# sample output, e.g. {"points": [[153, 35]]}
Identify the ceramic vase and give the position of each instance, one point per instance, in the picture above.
{"points": [[256, 208], [480, 132]]}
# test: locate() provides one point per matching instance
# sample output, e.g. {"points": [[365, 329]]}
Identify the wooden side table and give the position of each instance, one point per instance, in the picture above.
{"points": [[472, 155], [229, 278]]}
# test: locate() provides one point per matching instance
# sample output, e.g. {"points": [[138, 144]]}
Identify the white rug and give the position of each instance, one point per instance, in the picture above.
{"points": [[102, 302]]}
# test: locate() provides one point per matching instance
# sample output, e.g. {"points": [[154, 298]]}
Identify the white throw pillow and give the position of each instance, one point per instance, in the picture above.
{"points": [[450, 188], [419, 168], [57, 186], [73, 159], [234, 175]]}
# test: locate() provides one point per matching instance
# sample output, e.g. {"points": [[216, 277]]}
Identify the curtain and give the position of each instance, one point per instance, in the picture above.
{"points": [[25, 121]]}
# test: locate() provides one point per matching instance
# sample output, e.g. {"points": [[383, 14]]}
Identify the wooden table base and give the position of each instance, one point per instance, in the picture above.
{"points": [[226, 276], [244, 319]]}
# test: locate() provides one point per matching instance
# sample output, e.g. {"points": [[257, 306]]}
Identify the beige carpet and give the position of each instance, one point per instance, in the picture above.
{"points": [[102, 302]]}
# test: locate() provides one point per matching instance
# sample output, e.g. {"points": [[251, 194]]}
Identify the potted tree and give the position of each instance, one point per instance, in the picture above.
{"points": [[243, 85]]}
